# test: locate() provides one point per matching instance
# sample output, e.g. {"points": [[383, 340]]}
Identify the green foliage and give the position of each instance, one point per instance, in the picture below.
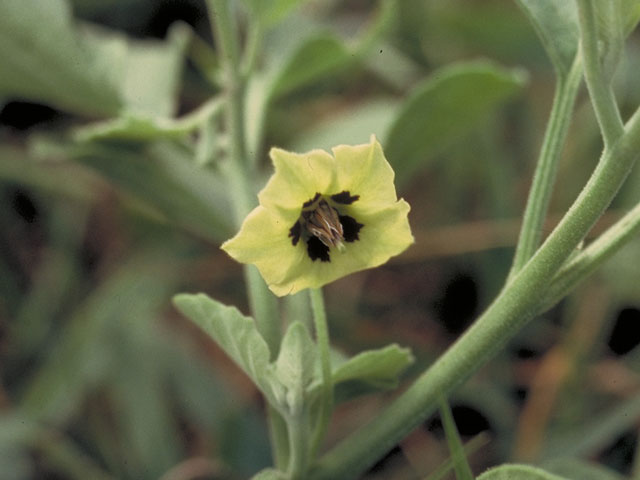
{"points": [[319, 56], [460, 464], [119, 196], [518, 472], [269, 474], [236, 334], [295, 373], [557, 26], [44, 58], [167, 183], [445, 107], [370, 370]]}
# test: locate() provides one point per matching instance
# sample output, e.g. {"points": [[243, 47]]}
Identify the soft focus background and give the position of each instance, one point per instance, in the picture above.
{"points": [[104, 217]]}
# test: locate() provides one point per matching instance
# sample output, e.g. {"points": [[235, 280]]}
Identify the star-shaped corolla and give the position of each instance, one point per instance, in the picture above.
{"points": [[322, 217]]}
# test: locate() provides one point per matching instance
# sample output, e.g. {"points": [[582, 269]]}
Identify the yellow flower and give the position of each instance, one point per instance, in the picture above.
{"points": [[322, 217]]}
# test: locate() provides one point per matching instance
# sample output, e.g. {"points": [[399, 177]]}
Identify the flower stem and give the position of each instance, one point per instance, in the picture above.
{"points": [[322, 337], [544, 177], [298, 446], [600, 91], [263, 305], [511, 310], [225, 34], [587, 261], [238, 169]]}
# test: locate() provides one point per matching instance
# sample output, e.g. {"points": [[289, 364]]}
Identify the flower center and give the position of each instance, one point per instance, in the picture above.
{"points": [[323, 227], [324, 223]]}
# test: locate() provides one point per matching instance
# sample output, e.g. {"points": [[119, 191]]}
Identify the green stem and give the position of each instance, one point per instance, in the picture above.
{"points": [[263, 305], [600, 91], [511, 310], [298, 446], [587, 261], [279, 438], [322, 337], [544, 177], [255, 36], [225, 33], [456, 449]]}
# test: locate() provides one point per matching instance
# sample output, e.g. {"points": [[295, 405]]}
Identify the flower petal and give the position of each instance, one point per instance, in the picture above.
{"points": [[386, 233], [357, 183], [297, 178], [363, 170], [263, 240]]}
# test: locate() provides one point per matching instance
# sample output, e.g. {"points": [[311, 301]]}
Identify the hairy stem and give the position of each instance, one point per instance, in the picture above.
{"points": [[588, 260], [298, 446], [600, 91], [322, 337], [544, 177], [511, 310], [264, 306]]}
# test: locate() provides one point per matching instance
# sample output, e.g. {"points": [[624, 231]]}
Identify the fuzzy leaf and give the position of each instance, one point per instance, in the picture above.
{"points": [[45, 59], [269, 474], [317, 57], [236, 334], [371, 371], [144, 127], [615, 20], [270, 12], [443, 108], [574, 468], [165, 182], [295, 366], [49, 58], [557, 26], [518, 472]]}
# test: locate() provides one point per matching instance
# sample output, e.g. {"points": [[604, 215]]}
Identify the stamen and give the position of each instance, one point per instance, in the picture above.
{"points": [[324, 223]]}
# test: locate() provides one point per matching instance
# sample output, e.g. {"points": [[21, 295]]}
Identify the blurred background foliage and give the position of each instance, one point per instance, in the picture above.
{"points": [[112, 201]]}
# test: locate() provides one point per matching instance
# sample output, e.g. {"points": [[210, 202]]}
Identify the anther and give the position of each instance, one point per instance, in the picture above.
{"points": [[324, 223]]}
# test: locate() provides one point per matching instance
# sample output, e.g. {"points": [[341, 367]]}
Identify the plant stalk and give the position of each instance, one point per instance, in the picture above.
{"points": [[263, 304], [547, 166], [511, 310], [322, 338], [600, 91]]}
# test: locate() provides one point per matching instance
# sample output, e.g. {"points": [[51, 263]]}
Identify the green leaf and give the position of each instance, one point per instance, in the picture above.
{"points": [[615, 20], [236, 334], [45, 59], [518, 472], [349, 127], [577, 469], [82, 358], [65, 179], [443, 108], [556, 23], [148, 71], [370, 371], [318, 57], [295, 366], [630, 15], [269, 474], [165, 181], [133, 126], [460, 462], [270, 12]]}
